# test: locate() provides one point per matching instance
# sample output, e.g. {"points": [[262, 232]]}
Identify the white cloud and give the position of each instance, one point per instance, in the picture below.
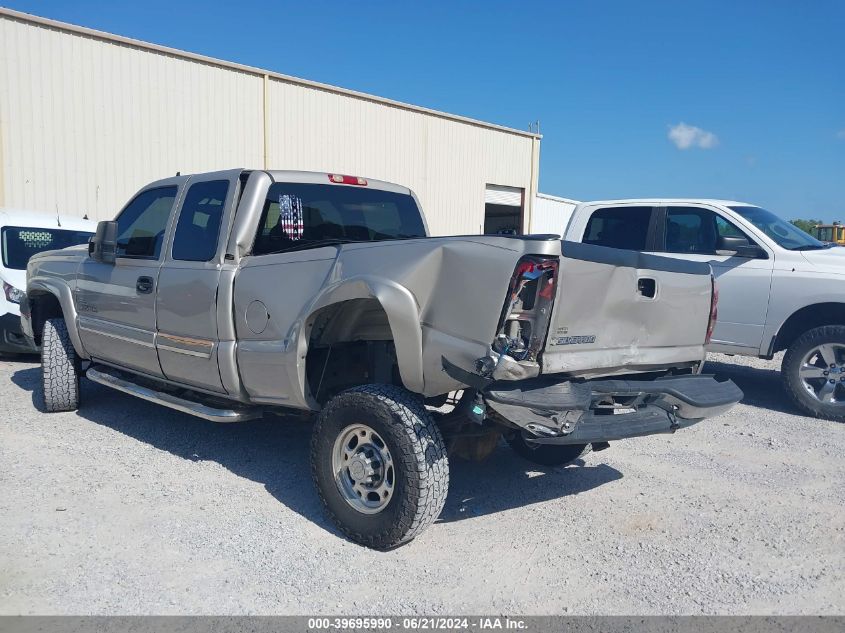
{"points": [[686, 136]]}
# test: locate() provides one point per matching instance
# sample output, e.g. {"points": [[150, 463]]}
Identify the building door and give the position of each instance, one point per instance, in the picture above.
{"points": [[503, 210]]}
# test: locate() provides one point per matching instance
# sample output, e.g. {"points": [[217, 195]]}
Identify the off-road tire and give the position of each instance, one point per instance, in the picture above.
{"points": [[547, 454], [793, 384], [419, 461], [59, 368]]}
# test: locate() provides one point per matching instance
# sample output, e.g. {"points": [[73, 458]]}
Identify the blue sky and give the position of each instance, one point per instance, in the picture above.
{"points": [[758, 85]]}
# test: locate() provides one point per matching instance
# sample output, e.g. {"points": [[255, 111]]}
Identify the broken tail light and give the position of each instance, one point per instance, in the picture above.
{"points": [[714, 310], [527, 310]]}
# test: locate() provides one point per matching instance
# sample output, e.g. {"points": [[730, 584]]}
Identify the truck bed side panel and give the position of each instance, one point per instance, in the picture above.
{"points": [[456, 286]]}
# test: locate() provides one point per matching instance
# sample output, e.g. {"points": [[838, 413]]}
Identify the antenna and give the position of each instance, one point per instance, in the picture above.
{"points": [[58, 219]]}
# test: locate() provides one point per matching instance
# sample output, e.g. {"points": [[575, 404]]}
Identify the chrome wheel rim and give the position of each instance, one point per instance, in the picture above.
{"points": [[363, 469], [822, 373]]}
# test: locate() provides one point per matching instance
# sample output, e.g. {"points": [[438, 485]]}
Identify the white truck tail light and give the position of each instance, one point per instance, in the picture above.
{"points": [[714, 310]]}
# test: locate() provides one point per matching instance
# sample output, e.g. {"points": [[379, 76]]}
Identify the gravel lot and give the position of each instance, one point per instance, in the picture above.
{"points": [[126, 507]]}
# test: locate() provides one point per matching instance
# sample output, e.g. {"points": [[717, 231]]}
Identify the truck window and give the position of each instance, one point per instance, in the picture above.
{"points": [[784, 234], [198, 229], [141, 224], [300, 215], [695, 230], [619, 227]]}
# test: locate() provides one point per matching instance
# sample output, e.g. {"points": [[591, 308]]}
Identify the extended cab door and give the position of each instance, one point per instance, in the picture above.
{"points": [[116, 302], [187, 299], [690, 232]]}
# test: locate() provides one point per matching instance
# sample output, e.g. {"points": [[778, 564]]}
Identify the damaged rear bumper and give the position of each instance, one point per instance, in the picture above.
{"points": [[567, 412]]}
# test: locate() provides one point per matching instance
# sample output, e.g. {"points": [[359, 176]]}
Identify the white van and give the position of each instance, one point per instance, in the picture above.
{"points": [[22, 234]]}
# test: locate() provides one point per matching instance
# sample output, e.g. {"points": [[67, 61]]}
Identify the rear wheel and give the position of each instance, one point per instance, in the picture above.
{"points": [[379, 464], [59, 368], [546, 454], [813, 372]]}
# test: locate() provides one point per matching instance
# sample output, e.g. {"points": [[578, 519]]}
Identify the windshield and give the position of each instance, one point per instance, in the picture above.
{"points": [[304, 215], [783, 233], [19, 243]]}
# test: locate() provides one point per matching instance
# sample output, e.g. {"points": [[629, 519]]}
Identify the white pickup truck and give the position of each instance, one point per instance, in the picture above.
{"points": [[779, 288]]}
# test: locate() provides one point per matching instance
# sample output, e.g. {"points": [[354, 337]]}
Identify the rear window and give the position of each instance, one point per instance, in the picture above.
{"points": [[619, 227], [19, 243], [301, 215]]}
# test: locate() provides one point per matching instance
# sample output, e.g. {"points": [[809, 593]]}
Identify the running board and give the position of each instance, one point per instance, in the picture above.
{"points": [[173, 402]]}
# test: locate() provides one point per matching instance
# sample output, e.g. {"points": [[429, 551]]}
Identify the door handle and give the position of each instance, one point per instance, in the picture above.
{"points": [[144, 285]]}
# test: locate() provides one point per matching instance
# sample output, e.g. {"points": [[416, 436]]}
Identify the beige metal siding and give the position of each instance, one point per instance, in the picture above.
{"points": [[87, 118], [85, 123], [446, 163], [551, 214]]}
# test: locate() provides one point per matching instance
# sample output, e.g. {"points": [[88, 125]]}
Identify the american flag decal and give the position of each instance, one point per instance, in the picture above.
{"points": [[290, 215]]}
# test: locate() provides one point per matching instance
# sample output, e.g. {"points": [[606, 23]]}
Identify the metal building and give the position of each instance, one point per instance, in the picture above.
{"points": [[550, 214], [87, 117]]}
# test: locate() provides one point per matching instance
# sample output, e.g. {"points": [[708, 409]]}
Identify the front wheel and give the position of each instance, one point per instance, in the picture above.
{"points": [[546, 454], [59, 368], [379, 464], [813, 372]]}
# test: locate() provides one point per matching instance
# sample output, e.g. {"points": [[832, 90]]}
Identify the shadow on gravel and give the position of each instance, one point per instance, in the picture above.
{"points": [[506, 481], [30, 380], [272, 451], [275, 452], [762, 387]]}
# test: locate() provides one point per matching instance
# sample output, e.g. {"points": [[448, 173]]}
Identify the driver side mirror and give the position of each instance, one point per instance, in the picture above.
{"points": [[103, 246], [740, 247]]}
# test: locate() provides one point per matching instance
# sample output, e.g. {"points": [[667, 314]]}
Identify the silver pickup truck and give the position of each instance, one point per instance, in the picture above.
{"points": [[226, 295]]}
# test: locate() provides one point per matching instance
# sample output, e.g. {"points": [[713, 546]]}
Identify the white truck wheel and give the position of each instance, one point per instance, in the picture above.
{"points": [[813, 372]]}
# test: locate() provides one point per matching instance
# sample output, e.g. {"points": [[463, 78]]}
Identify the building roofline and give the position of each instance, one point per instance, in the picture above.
{"points": [[659, 201], [548, 196], [260, 72]]}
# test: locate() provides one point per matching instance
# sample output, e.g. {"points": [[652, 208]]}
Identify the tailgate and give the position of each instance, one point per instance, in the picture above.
{"points": [[620, 311]]}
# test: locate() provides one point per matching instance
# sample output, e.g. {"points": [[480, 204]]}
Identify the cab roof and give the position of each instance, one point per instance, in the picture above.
{"points": [[664, 201], [291, 175]]}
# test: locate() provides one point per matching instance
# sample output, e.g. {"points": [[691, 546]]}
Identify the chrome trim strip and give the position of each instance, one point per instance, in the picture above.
{"points": [[186, 340], [116, 336], [180, 350]]}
